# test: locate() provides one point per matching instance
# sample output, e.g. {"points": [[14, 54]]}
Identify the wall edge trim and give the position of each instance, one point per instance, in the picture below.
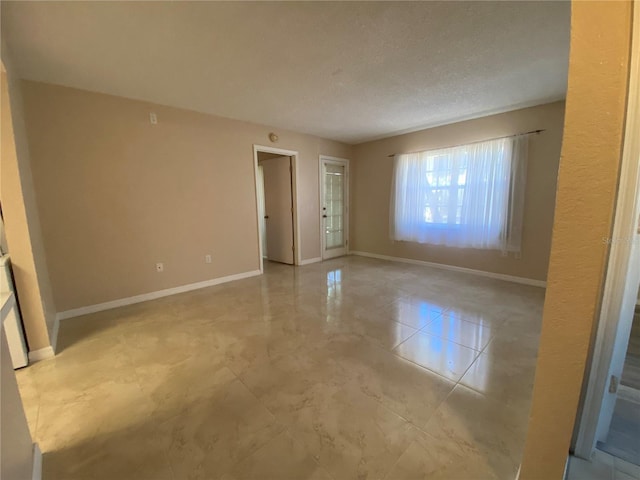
{"points": [[41, 354], [54, 334], [36, 472], [497, 276], [121, 302]]}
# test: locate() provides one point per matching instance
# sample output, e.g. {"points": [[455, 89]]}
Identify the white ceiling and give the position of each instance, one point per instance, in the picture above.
{"points": [[350, 71]]}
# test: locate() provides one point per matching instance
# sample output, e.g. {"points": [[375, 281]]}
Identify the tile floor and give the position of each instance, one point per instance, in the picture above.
{"points": [[349, 369], [623, 439], [601, 467]]}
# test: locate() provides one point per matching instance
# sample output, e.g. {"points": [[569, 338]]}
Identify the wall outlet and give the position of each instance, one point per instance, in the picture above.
{"points": [[153, 118], [207, 259], [159, 267]]}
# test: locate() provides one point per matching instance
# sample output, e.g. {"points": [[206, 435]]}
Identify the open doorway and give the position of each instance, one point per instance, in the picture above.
{"points": [[276, 205]]}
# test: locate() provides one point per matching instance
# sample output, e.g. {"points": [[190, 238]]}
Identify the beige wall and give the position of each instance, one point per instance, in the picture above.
{"points": [[372, 169], [22, 223], [117, 194], [598, 73], [16, 449]]}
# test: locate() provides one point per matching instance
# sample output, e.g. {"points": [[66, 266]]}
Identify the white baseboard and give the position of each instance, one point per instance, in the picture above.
{"points": [[41, 354], [76, 312], [37, 463], [497, 276], [311, 260]]}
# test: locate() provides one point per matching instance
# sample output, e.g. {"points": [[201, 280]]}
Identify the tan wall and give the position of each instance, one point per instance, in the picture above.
{"points": [[372, 170], [22, 223], [598, 73], [117, 194], [16, 449]]}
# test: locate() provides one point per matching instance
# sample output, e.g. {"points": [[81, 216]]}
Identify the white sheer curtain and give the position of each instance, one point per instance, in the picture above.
{"points": [[469, 196], [513, 232]]}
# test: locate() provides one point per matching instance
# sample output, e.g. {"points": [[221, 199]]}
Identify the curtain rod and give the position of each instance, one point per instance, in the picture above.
{"points": [[532, 132]]}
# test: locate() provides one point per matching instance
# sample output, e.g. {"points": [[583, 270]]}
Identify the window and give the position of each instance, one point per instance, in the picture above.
{"points": [[445, 183], [469, 196]]}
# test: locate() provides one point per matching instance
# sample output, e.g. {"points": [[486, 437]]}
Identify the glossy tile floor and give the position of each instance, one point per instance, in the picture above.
{"points": [[349, 369], [601, 467]]}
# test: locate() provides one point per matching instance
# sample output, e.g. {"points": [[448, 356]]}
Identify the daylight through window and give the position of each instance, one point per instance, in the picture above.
{"points": [[469, 196]]}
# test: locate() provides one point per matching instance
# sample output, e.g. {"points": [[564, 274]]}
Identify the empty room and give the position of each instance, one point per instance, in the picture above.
{"points": [[317, 240]]}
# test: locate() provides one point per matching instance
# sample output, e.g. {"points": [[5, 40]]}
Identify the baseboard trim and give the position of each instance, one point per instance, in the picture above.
{"points": [[311, 260], [145, 297], [41, 354], [482, 273], [36, 472]]}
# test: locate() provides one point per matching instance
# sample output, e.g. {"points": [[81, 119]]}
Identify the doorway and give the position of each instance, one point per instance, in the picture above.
{"points": [[276, 205], [334, 203]]}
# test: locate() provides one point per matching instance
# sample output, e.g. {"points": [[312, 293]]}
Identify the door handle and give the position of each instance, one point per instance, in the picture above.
{"points": [[324, 216], [266, 216]]}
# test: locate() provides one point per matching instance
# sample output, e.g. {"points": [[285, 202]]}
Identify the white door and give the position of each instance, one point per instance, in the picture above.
{"points": [[334, 184], [262, 222], [278, 209]]}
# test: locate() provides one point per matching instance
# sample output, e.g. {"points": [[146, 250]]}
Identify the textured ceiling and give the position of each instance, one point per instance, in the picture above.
{"points": [[350, 71]]}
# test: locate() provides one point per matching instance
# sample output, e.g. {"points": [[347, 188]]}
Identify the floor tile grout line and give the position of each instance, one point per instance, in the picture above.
{"points": [[442, 338], [411, 422], [422, 366], [386, 475], [275, 418], [417, 331], [448, 380], [455, 382], [403, 341], [284, 425], [459, 382], [435, 410]]}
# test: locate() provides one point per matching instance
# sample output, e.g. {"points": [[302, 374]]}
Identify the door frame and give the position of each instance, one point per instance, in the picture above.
{"points": [[625, 232], [294, 185], [339, 161]]}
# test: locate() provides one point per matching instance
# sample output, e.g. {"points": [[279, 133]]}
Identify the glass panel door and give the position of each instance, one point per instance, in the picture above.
{"points": [[334, 186]]}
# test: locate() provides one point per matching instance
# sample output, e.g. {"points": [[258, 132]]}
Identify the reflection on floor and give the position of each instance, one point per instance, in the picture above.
{"points": [[602, 467], [350, 369]]}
